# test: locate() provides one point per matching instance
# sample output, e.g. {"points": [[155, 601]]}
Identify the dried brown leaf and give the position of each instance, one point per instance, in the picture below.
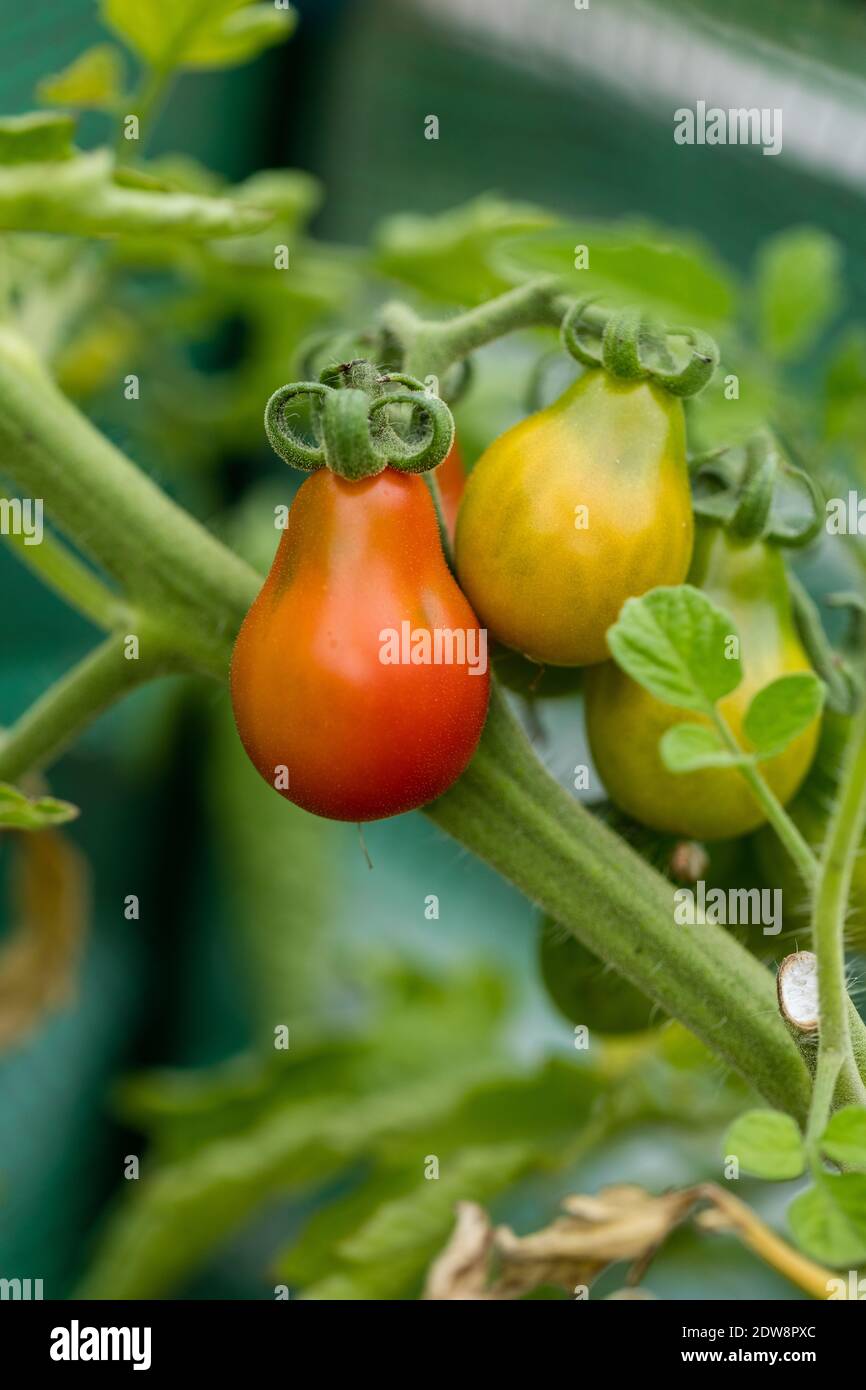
{"points": [[461, 1271], [39, 960]]}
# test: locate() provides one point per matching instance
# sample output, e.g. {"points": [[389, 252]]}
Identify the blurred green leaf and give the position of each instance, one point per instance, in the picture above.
{"points": [[768, 1144], [277, 883], [845, 388], [80, 196], [390, 1249], [93, 80], [171, 34], [451, 257], [667, 273], [19, 812], [799, 289], [829, 1220], [183, 1209], [844, 1139], [40, 135]]}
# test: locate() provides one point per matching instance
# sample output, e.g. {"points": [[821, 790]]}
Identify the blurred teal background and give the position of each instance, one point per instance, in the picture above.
{"points": [[539, 103]]}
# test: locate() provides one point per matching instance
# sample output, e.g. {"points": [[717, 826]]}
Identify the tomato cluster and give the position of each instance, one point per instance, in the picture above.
{"points": [[360, 676]]}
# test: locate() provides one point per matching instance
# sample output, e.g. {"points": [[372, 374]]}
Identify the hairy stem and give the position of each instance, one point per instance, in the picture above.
{"points": [[161, 557], [431, 348], [510, 812], [845, 832], [772, 807]]}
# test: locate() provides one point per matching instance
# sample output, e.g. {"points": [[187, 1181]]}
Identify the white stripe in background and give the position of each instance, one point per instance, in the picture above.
{"points": [[650, 60]]}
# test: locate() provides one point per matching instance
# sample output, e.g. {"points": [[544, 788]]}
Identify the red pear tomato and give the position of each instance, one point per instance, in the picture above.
{"points": [[359, 678]]}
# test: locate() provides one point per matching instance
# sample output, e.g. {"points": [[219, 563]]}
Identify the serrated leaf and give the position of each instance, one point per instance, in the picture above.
{"points": [[40, 135], [844, 1139], [672, 641], [170, 34], [782, 711], [799, 288], [823, 1229], [79, 196], [19, 812], [94, 80], [767, 1144], [187, 1206], [691, 747]]}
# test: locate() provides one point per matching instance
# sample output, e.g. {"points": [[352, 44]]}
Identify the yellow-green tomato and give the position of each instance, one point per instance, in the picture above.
{"points": [[573, 511], [625, 723]]}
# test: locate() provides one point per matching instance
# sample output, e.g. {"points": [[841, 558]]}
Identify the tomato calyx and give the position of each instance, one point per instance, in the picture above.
{"points": [[744, 489], [633, 345], [357, 433]]}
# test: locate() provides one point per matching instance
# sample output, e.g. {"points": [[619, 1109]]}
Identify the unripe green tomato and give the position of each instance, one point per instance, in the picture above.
{"points": [[810, 812], [571, 512], [584, 990], [625, 723]]}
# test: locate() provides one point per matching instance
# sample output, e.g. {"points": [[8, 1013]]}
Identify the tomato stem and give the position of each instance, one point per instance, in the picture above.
{"points": [[844, 836], [509, 811], [775, 812]]}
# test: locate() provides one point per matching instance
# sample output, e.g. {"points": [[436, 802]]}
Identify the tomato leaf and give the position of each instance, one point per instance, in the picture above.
{"points": [[782, 711], [666, 272], [829, 1220], [799, 288], [37, 136], [844, 1139], [44, 190], [673, 642], [170, 34], [690, 747], [451, 256], [94, 80], [768, 1144], [397, 1232], [19, 812]]}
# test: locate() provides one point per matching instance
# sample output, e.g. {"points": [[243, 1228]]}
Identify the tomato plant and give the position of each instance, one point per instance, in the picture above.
{"points": [[630, 550]]}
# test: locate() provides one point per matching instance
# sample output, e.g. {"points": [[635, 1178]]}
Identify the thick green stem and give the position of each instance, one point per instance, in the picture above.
{"points": [[844, 836], [431, 348], [510, 812], [823, 1090], [160, 555]]}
